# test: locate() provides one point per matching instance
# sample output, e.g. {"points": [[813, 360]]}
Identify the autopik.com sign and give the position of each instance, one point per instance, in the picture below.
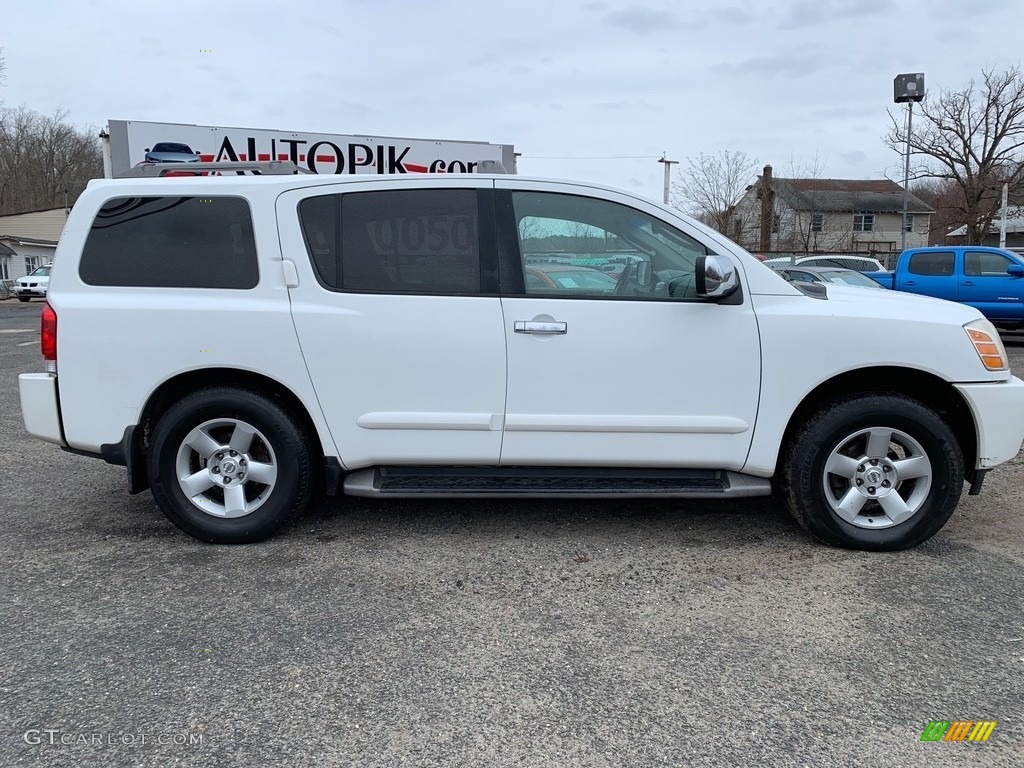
{"points": [[131, 140]]}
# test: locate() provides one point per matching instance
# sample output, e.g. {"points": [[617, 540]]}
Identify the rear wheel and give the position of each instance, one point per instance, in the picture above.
{"points": [[229, 466], [875, 472]]}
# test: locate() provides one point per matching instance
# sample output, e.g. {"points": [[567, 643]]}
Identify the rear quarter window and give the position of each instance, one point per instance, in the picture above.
{"points": [[171, 242]]}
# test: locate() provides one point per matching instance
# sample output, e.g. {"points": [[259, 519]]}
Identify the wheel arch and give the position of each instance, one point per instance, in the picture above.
{"points": [[930, 390], [204, 378]]}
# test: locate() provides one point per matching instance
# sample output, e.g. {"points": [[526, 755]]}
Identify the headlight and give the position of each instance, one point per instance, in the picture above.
{"points": [[988, 345]]}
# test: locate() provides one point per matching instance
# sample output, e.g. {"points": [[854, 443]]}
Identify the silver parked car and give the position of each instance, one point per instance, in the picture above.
{"points": [[171, 152], [835, 275]]}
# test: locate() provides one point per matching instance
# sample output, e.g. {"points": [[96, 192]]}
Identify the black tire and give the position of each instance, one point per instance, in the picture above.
{"points": [[23, 298], [914, 432], [278, 443]]}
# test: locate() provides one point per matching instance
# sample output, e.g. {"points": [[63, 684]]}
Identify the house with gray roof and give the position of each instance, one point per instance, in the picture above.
{"points": [[828, 216], [29, 240]]}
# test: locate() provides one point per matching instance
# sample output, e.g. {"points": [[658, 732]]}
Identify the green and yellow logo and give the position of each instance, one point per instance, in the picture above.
{"points": [[958, 730]]}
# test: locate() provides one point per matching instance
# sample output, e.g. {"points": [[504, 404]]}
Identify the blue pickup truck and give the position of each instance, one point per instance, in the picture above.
{"points": [[990, 279]]}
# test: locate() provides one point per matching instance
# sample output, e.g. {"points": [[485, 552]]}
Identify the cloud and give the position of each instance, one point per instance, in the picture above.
{"points": [[806, 13], [485, 60], [643, 20], [837, 113], [854, 158], [788, 67], [954, 9], [732, 15]]}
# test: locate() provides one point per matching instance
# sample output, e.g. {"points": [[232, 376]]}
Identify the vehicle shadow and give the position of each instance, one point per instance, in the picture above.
{"points": [[1012, 338], [737, 520]]}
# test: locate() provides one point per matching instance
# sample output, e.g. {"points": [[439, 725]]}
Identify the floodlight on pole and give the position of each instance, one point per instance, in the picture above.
{"points": [[908, 88]]}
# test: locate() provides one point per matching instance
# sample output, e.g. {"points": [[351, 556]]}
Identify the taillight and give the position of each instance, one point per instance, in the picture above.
{"points": [[48, 336]]}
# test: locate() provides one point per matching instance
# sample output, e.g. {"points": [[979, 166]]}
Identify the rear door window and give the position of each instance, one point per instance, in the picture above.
{"points": [[395, 241], [931, 263]]}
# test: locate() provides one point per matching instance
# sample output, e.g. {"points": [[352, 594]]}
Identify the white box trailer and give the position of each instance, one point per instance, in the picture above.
{"points": [[127, 143]]}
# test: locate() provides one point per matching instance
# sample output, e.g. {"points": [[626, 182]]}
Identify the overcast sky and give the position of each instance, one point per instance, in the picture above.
{"points": [[583, 89]]}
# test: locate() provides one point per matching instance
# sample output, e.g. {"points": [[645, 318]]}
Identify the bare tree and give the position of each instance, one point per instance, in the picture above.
{"points": [[711, 186], [974, 137], [44, 161], [946, 197], [797, 230]]}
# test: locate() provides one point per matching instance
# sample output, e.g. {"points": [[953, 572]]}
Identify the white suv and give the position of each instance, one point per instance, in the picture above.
{"points": [[243, 343], [34, 284]]}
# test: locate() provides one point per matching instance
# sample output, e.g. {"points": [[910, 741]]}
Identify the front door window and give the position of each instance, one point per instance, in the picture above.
{"points": [[578, 247]]}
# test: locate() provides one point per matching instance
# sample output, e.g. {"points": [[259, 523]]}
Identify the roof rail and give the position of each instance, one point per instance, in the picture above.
{"points": [[491, 166], [270, 168]]}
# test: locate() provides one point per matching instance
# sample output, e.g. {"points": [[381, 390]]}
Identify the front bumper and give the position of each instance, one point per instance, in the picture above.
{"points": [[39, 406], [998, 411]]}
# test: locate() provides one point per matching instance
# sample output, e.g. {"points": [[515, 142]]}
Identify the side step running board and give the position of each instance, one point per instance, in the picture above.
{"points": [[551, 483]]}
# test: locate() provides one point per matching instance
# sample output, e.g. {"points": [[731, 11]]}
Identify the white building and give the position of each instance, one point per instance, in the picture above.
{"points": [[1014, 229]]}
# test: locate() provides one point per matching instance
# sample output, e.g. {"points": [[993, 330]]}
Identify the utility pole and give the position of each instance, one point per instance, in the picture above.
{"points": [[668, 172], [907, 88], [1002, 218]]}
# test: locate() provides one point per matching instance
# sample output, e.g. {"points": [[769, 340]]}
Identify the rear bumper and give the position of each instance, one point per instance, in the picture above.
{"points": [[39, 406], [998, 410]]}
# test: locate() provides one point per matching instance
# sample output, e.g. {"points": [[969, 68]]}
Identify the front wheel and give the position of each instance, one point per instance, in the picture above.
{"points": [[229, 466], [873, 472]]}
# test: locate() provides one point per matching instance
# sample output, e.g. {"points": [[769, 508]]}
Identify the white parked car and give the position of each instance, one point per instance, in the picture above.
{"points": [[857, 263], [34, 284], [243, 343]]}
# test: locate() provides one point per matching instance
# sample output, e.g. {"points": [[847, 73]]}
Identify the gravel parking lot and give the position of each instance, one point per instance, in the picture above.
{"points": [[490, 634]]}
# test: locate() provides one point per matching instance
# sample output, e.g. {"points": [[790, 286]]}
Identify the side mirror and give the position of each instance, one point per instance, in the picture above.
{"points": [[146, 149], [1015, 270], [715, 277]]}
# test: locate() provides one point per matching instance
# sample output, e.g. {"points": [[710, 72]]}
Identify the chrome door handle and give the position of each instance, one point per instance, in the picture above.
{"points": [[537, 326]]}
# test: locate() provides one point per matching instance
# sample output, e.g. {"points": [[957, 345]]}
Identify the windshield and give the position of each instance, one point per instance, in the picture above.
{"points": [[42, 271], [850, 278], [165, 147]]}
